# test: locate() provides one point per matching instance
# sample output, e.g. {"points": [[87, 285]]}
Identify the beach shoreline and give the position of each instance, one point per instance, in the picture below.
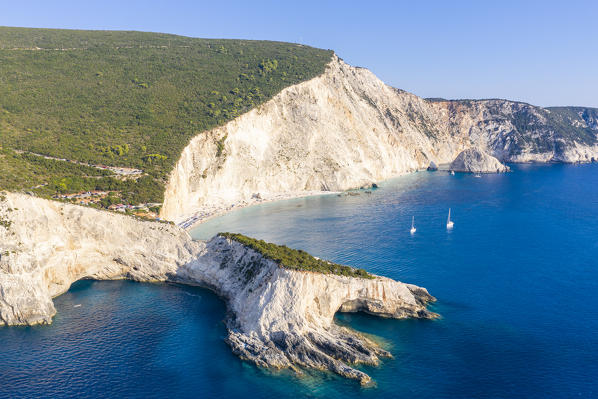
{"points": [[204, 213]]}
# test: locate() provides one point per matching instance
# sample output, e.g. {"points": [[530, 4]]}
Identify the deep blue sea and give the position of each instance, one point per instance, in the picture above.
{"points": [[516, 282]]}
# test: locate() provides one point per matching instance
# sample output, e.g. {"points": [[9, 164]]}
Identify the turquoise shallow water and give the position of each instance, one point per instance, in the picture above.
{"points": [[516, 282]]}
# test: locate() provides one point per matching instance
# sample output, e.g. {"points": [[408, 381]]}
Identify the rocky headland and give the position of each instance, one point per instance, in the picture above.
{"points": [[277, 317]]}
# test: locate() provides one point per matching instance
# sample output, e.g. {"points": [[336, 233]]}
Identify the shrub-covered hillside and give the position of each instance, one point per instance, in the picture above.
{"points": [[127, 99]]}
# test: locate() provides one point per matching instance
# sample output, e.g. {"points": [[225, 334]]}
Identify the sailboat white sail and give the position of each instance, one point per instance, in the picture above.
{"points": [[412, 225], [449, 222]]}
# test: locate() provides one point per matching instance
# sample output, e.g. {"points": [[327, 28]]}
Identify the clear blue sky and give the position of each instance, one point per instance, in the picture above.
{"points": [[542, 52]]}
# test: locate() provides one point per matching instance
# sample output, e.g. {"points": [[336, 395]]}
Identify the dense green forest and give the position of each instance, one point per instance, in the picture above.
{"points": [[295, 259], [128, 99]]}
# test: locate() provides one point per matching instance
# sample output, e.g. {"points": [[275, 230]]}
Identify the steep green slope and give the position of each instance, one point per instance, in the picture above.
{"points": [[128, 99], [578, 123]]}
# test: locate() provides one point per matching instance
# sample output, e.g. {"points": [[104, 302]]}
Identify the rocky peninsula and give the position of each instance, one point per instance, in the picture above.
{"points": [[278, 316]]}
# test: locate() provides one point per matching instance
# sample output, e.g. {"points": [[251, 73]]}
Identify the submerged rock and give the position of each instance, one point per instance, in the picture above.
{"points": [[368, 186], [277, 317], [474, 160]]}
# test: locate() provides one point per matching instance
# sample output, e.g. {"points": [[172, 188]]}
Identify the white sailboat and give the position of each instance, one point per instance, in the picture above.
{"points": [[412, 225], [449, 222]]}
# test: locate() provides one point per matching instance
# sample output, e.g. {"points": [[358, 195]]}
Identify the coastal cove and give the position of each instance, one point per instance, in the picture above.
{"points": [[514, 281]]}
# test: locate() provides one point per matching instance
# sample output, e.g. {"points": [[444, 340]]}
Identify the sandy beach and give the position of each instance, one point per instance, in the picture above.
{"points": [[204, 213]]}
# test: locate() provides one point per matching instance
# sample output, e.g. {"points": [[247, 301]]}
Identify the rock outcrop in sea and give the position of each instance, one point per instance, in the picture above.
{"points": [[474, 160], [346, 128], [277, 317]]}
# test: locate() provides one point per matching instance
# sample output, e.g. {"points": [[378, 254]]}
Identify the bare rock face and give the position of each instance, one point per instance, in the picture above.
{"points": [[474, 160], [45, 246], [277, 317], [346, 128], [518, 132], [341, 130]]}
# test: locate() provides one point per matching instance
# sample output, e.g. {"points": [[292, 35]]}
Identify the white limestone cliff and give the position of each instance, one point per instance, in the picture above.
{"points": [[340, 130], [45, 246], [514, 131], [277, 317], [345, 129]]}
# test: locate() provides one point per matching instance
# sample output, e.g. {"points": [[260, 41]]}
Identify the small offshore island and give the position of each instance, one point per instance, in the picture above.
{"points": [[216, 125]]}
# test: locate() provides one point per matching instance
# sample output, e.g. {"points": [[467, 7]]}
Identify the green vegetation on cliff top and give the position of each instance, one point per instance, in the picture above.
{"points": [[296, 259], [129, 99]]}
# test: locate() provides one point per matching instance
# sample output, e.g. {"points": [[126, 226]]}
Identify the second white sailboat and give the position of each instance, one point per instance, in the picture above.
{"points": [[449, 222]]}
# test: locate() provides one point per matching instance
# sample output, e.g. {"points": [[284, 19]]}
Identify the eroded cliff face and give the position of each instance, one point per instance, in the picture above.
{"points": [[284, 318], [45, 246], [277, 317], [346, 128], [340, 130], [518, 132]]}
